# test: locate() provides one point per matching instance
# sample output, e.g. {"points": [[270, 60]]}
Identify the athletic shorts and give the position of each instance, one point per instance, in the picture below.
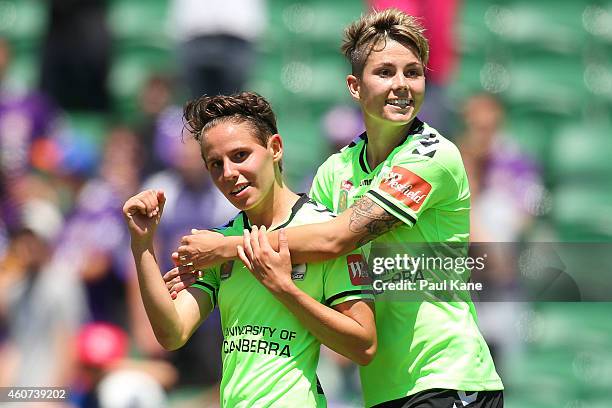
{"points": [[439, 398]]}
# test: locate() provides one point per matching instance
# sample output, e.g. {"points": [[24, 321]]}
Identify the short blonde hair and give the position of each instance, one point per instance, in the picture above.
{"points": [[361, 36]]}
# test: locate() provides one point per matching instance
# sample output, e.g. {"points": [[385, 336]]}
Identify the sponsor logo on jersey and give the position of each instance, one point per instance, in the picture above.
{"points": [[465, 399], [405, 186], [358, 270], [298, 273], [226, 270], [365, 182]]}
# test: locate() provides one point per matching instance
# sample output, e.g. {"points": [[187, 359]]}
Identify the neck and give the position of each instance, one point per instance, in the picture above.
{"points": [[274, 208], [382, 140]]}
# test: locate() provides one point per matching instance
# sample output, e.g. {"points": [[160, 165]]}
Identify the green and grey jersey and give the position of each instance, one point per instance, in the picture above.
{"points": [[269, 357], [426, 344]]}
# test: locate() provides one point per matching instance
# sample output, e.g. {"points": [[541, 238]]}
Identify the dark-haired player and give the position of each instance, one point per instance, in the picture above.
{"points": [[274, 315]]}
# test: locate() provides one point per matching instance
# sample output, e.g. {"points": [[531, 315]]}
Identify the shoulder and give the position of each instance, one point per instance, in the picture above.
{"points": [[312, 212], [347, 154], [234, 226], [429, 147]]}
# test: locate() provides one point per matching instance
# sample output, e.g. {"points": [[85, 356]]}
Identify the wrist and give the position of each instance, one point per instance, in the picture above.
{"points": [[286, 291], [139, 246], [228, 249]]}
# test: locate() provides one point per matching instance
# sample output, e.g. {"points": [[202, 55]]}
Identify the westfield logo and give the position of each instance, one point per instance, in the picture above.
{"points": [[406, 186]]}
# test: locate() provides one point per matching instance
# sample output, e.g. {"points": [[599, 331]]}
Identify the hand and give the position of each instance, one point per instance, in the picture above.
{"points": [[271, 268], [143, 213], [199, 249], [179, 278]]}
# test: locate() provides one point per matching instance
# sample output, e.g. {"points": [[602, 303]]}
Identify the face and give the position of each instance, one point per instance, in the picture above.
{"points": [[392, 86], [241, 168]]}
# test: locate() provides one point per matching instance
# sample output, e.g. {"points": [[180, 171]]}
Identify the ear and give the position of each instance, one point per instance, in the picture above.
{"points": [[352, 83], [275, 146]]}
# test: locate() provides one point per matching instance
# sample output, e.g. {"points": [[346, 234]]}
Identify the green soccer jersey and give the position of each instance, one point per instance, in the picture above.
{"points": [[269, 358], [426, 344]]}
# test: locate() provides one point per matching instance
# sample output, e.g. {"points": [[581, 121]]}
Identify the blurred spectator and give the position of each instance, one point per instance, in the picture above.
{"points": [[27, 119], [108, 378], [159, 123], [94, 238], [505, 187], [76, 55], [504, 181], [216, 43], [192, 202], [341, 124], [43, 308], [440, 18]]}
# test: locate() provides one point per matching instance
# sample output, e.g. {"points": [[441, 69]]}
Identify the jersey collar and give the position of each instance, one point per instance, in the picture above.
{"points": [[296, 207], [416, 127]]}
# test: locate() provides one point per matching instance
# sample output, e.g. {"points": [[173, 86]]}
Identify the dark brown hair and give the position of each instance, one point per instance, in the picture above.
{"points": [[361, 36], [202, 114]]}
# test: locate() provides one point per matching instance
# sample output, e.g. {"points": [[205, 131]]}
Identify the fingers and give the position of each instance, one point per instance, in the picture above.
{"points": [[283, 243], [178, 279], [246, 242], [244, 258], [148, 203], [149, 197], [255, 241], [183, 254], [262, 239], [134, 206], [186, 282], [171, 274], [161, 200]]}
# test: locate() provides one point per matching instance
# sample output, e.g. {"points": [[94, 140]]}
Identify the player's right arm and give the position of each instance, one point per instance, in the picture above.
{"points": [[173, 322]]}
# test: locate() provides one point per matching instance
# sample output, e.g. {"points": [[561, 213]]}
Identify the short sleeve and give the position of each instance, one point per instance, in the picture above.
{"points": [[407, 187], [209, 283], [321, 190], [347, 278]]}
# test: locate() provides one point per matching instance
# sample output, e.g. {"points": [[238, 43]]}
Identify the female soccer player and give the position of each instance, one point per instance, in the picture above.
{"points": [[274, 316], [403, 183]]}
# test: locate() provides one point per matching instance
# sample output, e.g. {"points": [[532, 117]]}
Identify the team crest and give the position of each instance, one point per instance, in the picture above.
{"points": [[298, 273], [226, 270], [345, 187]]}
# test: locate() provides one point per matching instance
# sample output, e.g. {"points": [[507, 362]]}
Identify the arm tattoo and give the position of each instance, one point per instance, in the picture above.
{"points": [[369, 218]]}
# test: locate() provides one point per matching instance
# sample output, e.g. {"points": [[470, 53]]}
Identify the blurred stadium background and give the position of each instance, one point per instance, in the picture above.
{"points": [[548, 63]]}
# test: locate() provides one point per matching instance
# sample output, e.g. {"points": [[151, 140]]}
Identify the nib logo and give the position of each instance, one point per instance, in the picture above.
{"points": [[358, 270], [406, 186]]}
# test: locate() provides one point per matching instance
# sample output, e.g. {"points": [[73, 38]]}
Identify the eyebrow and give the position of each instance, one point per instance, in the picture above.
{"points": [[390, 64]]}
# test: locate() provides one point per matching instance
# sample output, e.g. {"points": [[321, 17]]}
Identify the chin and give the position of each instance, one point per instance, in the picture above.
{"points": [[244, 203]]}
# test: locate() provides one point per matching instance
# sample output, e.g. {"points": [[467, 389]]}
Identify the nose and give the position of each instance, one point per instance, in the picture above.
{"points": [[401, 82], [229, 170]]}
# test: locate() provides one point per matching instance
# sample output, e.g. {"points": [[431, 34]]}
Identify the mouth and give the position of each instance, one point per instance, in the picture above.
{"points": [[239, 189], [401, 103]]}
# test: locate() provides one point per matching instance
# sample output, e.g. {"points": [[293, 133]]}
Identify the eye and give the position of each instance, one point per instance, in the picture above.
{"points": [[240, 155], [413, 73], [215, 165], [384, 72]]}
